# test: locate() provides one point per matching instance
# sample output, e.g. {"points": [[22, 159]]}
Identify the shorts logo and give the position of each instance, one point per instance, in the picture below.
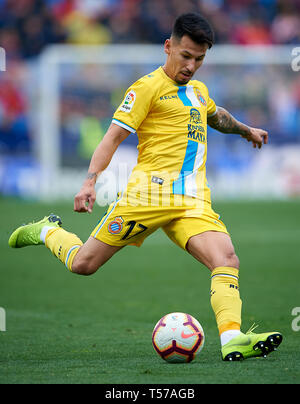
{"points": [[116, 226], [200, 97], [157, 180], [128, 102]]}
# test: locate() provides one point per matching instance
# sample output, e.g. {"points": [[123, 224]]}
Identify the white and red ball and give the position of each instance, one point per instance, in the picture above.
{"points": [[178, 337]]}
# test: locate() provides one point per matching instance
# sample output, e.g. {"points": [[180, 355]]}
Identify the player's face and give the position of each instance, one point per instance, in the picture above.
{"points": [[184, 58]]}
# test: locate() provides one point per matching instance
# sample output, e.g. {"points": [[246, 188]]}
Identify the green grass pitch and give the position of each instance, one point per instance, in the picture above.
{"points": [[64, 328]]}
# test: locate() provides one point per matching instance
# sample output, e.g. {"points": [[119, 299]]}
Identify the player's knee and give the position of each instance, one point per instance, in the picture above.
{"points": [[232, 260], [84, 267]]}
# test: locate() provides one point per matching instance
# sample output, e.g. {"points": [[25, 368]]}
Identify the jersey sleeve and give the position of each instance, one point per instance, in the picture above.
{"points": [[135, 106], [211, 107]]}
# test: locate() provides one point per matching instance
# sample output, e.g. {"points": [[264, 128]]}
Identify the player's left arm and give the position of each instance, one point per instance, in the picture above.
{"points": [[224, 122]]}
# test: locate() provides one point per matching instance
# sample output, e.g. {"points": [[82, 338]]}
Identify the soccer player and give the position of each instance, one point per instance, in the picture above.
{"points": [[167, 189]]}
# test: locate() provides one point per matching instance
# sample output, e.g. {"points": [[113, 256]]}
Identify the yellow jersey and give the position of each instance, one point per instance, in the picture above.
{"points": [[170, 121]]}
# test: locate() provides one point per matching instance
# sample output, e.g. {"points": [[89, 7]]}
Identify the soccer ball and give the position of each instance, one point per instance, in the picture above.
{"points": [[178, 337]]}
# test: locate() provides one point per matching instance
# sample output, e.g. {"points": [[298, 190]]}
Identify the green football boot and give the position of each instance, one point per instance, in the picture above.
{"points": [[250, 345], [29, 234]]}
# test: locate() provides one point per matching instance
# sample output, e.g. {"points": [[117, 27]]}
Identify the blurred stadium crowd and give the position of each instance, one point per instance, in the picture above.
{"points": [[28, 26]]}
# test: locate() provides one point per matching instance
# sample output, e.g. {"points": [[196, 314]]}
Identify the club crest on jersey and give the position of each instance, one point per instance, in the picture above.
{"points": [[200, 97], [128, 102], [116, 225]]}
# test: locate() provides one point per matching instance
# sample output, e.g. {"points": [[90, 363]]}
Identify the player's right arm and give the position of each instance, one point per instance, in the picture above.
{"points": [[85, 199], [224, 122], [128, 117]]}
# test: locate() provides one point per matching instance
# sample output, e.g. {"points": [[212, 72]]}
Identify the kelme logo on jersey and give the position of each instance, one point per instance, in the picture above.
{"points": [[116, 226], [128, 102]]}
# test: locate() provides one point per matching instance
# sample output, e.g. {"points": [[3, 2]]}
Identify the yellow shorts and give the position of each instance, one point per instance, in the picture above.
{"points": [[124, 224]]}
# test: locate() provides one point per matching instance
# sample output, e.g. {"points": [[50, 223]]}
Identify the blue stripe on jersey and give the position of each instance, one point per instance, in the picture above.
{"points": [[187, 167], [183, 97]]}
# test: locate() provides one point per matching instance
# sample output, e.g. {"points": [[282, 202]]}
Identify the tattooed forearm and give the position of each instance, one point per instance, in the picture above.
{"points": [[91, 176], [224, 122]]}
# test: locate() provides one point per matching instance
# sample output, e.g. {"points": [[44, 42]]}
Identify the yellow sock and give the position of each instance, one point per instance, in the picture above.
{"points": [[225, 298], [64, 245]]}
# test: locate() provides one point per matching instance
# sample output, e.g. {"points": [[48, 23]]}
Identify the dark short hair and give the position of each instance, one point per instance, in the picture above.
{"points": [[195, 26]]}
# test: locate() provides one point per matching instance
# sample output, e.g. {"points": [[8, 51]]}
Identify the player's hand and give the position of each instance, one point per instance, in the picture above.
{"points": [[258, 137], [85, 199]]}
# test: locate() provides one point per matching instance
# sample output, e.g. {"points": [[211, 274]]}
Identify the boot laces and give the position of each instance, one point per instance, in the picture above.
{"points": [[252, 328]]}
